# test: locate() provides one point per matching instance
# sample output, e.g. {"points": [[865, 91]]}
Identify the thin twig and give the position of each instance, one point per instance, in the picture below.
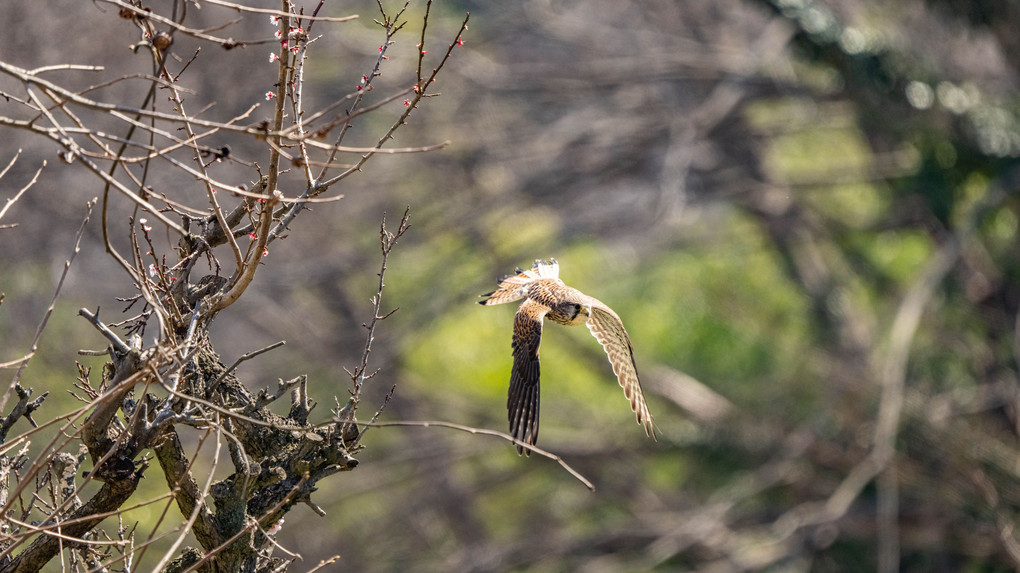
{"points": [[496, 433], [387, 241], [245, 357], [53, 303], [322, 564], [422, 87], [27, 186], [271, 12]]}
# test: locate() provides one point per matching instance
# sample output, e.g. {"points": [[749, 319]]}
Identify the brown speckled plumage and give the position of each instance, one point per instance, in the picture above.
{"points": [[546, 296]]}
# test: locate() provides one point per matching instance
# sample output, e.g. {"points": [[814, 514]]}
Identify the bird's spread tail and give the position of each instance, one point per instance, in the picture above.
{"points": [[515, 287], [546, 269]]}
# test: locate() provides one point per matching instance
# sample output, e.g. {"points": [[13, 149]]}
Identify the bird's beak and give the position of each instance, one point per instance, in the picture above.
{"points": [[586, 309]]}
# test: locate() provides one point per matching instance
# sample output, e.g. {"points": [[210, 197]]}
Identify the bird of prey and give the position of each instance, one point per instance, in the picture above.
{"points": [[546, 296]]}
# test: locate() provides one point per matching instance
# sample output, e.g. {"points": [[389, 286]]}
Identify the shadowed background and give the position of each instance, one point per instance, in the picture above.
{"points": [[804, 212]]}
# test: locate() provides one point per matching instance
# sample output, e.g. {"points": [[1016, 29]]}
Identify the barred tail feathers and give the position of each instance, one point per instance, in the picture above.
{"points": [[515, 287]]}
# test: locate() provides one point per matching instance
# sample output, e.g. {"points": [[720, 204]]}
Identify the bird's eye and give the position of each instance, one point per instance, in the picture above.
{"points": [[577, 306]]}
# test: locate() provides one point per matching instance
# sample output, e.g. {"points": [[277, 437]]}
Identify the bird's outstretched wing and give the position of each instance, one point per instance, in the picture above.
{"points": [[608, 329], [522, 400]]}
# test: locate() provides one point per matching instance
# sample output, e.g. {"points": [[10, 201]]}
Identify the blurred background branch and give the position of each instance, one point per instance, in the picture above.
{"points": [[804, 211]]}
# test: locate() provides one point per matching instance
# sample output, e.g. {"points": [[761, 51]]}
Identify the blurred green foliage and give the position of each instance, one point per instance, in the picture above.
{"points": [[765, 252]]}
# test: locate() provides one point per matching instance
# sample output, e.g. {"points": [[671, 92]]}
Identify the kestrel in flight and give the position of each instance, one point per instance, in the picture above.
{"points": [[546, 296]]}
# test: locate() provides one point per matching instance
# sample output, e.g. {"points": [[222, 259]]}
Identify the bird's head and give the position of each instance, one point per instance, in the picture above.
{"points": [[577, 312]]}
